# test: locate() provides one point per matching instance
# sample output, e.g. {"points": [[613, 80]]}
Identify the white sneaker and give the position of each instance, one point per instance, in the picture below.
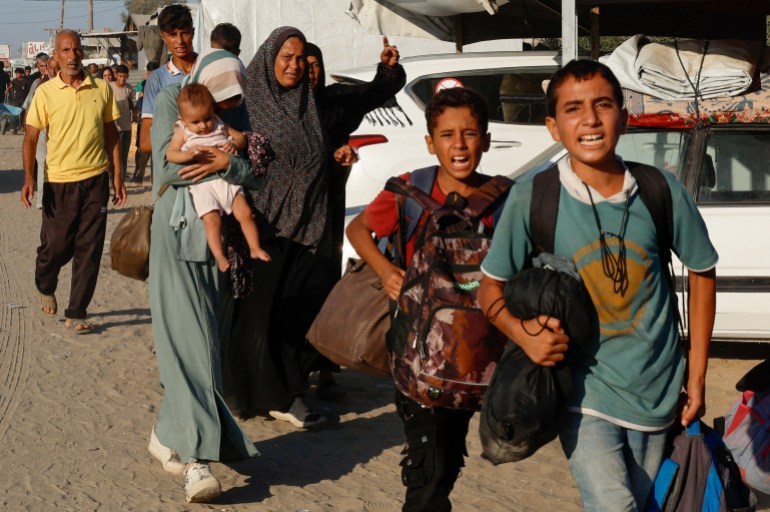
{"points": [[200, 486], [168, 457], [299, 415]]}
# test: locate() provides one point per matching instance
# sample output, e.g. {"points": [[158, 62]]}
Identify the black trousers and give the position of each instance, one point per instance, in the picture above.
{"points": [[434, 454], [73, 228]]}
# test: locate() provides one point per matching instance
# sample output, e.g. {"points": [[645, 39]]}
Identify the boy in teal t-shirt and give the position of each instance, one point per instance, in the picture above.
{"points": [[628, 379]]}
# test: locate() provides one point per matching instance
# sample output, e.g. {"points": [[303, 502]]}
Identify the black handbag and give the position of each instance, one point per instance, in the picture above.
{"points": [[524, 401]]}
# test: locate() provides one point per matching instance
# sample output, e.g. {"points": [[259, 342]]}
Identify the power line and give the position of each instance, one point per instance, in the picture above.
{"points": [[37, 10], [58, 19]]}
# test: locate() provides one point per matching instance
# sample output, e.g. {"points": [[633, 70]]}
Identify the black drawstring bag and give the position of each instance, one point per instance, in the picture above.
{"points": [[523, 405]]}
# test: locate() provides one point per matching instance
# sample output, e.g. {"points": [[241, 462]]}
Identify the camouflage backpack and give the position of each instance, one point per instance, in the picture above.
{"points": [[443, 350]]}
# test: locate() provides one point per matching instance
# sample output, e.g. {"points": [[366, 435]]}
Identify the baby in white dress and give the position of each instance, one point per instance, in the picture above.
{"points": [[199, 127]]}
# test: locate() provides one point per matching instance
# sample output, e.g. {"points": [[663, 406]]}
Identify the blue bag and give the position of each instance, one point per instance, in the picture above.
{"points": [[700, 475]]}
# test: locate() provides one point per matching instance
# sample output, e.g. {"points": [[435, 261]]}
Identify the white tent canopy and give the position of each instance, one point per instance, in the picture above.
{"points": [[327, 23]]}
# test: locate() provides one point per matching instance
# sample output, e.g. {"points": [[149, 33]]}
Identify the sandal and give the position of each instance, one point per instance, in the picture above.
{"points": [[299, 415], [79, 326], [48, 302]]}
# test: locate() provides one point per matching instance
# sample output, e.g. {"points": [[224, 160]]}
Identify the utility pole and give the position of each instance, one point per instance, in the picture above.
{"points": [[569, 30], [61, 24], [90, 15]]}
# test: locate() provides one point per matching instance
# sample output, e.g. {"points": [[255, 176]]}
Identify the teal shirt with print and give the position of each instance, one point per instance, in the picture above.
{"points": [[632, 374]]}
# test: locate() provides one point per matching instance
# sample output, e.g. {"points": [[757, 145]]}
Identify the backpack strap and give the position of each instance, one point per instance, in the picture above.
{"points": [[653, 190], [656, 196], [423, 179], [489, 197], [417, 195], [546, 189]]}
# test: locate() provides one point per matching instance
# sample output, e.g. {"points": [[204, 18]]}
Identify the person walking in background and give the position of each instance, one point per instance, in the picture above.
{"points": [[5, 81], [17, 93], [106, 74], [141, 158], [226, 36], [123, 93], [49, 68], [176, 29], [78, 111], [20, 86], [41, 61]]}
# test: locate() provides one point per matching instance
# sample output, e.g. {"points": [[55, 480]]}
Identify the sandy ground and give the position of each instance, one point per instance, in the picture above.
{"points": [[76, 411]]}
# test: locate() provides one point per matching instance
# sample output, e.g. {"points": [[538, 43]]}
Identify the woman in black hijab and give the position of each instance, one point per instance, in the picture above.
{"points": [[342, 107], [267, 359]]}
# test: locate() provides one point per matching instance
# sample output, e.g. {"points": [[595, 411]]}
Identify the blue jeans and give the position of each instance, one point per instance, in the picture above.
{"points": [[614, 467]]}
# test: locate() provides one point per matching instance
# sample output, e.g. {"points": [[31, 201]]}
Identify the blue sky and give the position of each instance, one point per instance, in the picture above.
{"points": [[25, 20]]}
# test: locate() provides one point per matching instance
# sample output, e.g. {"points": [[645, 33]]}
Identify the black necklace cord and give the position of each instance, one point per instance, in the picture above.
{"points": [[614, 267]]}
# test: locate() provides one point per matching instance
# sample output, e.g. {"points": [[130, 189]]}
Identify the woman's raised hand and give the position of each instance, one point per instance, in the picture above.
{"points": [[389, 55], [208, 161]]}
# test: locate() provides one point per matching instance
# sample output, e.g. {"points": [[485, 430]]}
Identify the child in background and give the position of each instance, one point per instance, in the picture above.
{"points": [[457, 122], [628, 379], [123, 93], [226, 36], [199, 126], [141, 158]]}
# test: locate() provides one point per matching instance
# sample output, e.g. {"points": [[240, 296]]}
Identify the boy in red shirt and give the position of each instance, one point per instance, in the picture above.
{"points": [[457, 134]]}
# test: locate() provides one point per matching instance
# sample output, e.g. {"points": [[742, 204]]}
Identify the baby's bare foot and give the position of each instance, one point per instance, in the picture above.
{"points": [[259, 254]]}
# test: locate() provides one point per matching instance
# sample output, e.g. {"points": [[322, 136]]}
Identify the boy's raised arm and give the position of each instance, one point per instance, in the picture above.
{"points": [[541, 338], [360, 235], [701, 323]]}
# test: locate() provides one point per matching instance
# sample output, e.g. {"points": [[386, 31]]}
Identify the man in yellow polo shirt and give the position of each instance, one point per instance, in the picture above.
{"points": [[79, 112]]}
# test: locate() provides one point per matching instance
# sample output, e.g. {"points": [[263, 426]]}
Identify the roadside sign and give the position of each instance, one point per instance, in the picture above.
{"points": [[30, 49], [5, 54]]}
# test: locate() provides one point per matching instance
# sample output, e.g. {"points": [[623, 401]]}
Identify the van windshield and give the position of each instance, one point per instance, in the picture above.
{"points": [[665, 149], [722, 165]]}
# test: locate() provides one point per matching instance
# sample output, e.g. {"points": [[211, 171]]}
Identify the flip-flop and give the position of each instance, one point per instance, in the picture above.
{"points": [[79, 326], [48, 301]]}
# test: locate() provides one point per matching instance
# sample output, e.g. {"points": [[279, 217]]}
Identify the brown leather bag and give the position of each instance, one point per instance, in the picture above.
{"points": [[130, 242], [351, 326]]}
